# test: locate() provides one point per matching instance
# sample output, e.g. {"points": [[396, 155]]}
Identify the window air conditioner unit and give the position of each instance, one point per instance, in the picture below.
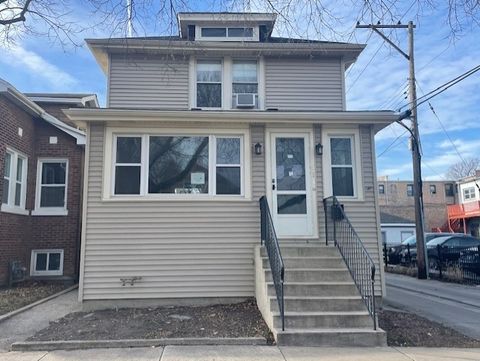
{"points": [[245, 100]]}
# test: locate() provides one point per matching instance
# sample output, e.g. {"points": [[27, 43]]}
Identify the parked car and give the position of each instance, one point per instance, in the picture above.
{"points": [[401, 252], [447, 249], [469, 260]]}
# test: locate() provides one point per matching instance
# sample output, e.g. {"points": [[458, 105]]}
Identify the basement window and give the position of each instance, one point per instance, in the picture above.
{"points": [[46, 262]]}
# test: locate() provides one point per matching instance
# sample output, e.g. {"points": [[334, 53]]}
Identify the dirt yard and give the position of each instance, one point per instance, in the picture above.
{"points": [[233, 320], [26, 293], [407, 329]]}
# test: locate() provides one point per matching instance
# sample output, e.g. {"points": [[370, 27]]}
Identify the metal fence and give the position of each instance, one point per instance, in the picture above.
{"points": [[454, 264]]}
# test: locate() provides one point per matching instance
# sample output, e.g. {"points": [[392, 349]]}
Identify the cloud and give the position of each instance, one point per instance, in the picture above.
{"points": [[18, 56]]}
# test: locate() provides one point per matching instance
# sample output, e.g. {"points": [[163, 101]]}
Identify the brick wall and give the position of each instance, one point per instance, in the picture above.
{"points": [[435, 214], [19, 234]]}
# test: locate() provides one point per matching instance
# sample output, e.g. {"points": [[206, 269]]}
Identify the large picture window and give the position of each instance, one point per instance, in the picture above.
{"points": [[14, 182], [342, 166], [178, 165], [209, 84]]}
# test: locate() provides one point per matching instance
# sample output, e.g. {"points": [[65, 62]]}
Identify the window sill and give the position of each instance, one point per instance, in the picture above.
{"points": [[50, 212], [176, 198], [46, 273], [14, 210]]}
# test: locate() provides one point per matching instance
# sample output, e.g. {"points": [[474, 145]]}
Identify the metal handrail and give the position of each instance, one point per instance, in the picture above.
{"points": [[270, 241], [359, 262]]}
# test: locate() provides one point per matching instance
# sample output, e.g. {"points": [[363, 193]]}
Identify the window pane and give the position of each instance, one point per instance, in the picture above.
{"points": [[54, 262], [20, 169], [6, 186], [292, 204], [228, 180], [209, 95], [239, 88], [214, 32], [127, 179], [129, 149], [178, 165], [342, 180], [8, 164], [228, 150], [210, 72], [290, 162], [52, 196], [245, 72], [41, 264], [18, 193], [240, 32], [341, 151], [54, 173]]}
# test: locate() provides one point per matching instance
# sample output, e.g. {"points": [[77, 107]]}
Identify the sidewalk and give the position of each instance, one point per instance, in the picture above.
{"points": [[249, 353], [25, 324]]}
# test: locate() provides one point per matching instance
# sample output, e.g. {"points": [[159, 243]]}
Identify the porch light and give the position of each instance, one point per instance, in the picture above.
{"points": [[258, 148], [319, 149]]}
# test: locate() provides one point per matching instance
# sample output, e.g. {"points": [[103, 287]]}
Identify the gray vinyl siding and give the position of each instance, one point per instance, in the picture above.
{"points": [[179, 248], [299, 84], [148, 81], [363, 214]]}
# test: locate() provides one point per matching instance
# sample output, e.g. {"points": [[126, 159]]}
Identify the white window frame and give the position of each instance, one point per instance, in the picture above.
{"points": [[239, 60], [469, 194], [227, 81], [143, 162], [33, 262], [10, 207], [222, 82], [198, 33], [413, 190], [354, 135], [49, 211], [109, 162], [215, 165]]}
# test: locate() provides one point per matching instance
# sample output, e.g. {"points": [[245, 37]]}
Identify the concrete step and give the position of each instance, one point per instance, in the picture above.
{"points": [[366, 337], [302, 289], [305, 251], [309, 262], [319, 304], [313, 275], [307, 320]]}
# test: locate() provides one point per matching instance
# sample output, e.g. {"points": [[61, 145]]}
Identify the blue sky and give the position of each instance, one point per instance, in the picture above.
{"points": [[376, 81]]}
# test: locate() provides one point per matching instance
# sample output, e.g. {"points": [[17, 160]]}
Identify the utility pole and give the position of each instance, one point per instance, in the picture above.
{"points": [[415, 140]]}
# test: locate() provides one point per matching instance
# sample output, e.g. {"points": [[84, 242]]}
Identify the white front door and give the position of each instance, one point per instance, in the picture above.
{"points": [[291, 184]]}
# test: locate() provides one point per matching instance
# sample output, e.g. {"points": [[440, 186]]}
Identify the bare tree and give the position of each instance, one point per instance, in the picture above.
{"points": [[62, 20], [464, 169]]}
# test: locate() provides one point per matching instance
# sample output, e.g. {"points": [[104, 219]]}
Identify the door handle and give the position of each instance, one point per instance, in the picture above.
{"points": [[273, 184]]}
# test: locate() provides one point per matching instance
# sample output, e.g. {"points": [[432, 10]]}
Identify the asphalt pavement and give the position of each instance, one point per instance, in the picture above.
{"points": [[453, 305]]}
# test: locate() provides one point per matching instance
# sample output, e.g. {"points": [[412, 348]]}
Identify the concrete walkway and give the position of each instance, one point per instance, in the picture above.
{"points": [[249, 353], [453, 305], [25, 324]]}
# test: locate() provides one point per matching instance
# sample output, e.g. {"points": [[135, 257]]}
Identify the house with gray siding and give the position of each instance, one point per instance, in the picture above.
{"points": [[197, 129]]}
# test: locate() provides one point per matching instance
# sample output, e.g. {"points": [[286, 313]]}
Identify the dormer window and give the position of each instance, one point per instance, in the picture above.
{"points": [[234, 33]]}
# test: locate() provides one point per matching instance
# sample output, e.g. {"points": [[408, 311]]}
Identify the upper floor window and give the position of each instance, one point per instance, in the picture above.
{"points": [[209, 84], [245, 83], [469, 193], [51, 194], [14, 182], [381, 189], [410, 190], [433, 189], [449, 190]]}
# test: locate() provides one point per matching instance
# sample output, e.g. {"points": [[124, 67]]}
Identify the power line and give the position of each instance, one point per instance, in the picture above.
{"points": [[439, 90], [391, 144]]}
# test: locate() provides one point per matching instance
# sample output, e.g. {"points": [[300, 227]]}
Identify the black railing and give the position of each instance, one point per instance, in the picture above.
{"points": [[340, 231], [270, 241]]}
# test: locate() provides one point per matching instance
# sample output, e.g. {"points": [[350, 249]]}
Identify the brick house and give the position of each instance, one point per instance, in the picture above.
{"points": [[395, 197], [41, 162]]}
